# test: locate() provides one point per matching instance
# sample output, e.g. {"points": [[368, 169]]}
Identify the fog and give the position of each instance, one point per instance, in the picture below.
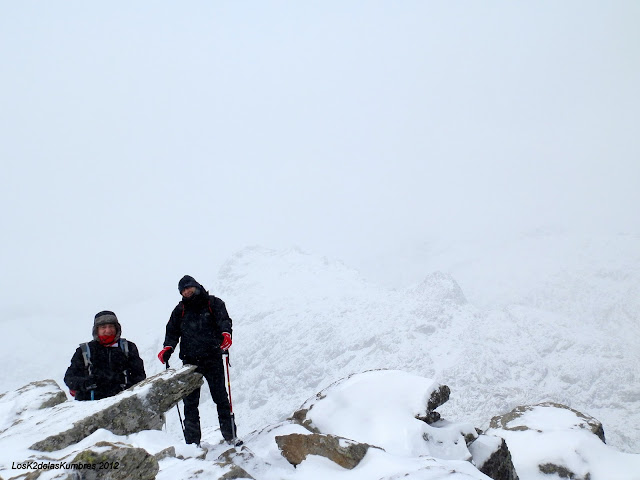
{"points": [[142, 141]]}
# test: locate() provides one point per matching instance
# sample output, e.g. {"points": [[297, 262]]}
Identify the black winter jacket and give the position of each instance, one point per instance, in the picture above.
{"points": [[198, 324], [108, 365]]}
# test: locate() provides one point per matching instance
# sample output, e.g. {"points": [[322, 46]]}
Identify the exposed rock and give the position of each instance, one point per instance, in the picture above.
{"points": [[236, 473], [492, 457], [167, 452], [438, 397], [232, 458], [562, 472], [584, 421], [115, 463], [295, 447], [300, 417], [134, 410]]}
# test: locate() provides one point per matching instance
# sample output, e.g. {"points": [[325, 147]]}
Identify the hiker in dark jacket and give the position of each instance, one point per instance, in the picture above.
{"points": [[112, 364], [201, 324]]}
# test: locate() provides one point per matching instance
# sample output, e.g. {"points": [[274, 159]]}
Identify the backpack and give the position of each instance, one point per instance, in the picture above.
{"points": [[210, 309], [208, 304], [86, 356]]}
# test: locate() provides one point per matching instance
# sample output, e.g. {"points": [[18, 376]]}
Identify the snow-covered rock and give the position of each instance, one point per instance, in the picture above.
{"points": [[365, 426], [17, 405], [551, 439], [57, 427]]}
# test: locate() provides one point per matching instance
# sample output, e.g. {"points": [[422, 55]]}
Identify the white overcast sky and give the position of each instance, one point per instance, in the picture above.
{"points": [[144, 140]]}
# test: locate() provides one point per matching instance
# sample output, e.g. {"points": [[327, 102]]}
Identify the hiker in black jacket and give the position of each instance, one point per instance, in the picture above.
{"points": [[106, 365], [201, 324]]}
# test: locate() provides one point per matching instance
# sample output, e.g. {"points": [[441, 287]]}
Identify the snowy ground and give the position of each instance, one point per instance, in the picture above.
{"points": [[377, 408]]}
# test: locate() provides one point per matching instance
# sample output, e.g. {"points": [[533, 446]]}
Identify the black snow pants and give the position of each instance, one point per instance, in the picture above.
{"points": [[213, 372]]}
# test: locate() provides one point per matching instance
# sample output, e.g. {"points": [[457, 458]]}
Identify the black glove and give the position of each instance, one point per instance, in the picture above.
{"points": [[89, 383]]}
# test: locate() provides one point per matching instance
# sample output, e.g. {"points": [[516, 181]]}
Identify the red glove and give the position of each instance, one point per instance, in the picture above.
{"points": [[226, 341], [164, 354]]}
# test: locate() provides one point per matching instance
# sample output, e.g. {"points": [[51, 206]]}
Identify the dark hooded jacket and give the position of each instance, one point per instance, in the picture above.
{"points": [[197, 323], [108, 366]]}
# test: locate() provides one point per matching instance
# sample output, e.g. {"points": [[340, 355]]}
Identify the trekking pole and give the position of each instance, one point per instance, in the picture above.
{"points": [[178, 408], [225, 362]]}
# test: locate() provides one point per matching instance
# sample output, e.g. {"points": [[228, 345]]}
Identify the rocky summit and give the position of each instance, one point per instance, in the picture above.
{"points": [[378, 424]]}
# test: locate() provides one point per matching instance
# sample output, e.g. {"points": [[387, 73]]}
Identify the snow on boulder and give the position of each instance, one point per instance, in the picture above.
{"points": [[552, 439], [385, 408], [19, 404]]}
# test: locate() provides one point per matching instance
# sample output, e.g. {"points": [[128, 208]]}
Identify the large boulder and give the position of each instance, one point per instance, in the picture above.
{"points": [[389, 409], [296, 447], [107, 461], [555, 440], [382, 395], [139, 408]]}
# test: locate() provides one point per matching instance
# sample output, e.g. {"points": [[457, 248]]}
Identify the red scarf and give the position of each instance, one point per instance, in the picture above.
{"points": [[106, 340]]}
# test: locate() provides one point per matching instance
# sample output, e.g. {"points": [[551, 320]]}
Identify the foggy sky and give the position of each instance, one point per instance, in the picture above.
{"points": [[145, 140]]}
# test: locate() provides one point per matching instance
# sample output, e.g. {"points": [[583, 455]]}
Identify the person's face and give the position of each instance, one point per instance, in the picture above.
{"points": [[188, 292], [106, 330]]}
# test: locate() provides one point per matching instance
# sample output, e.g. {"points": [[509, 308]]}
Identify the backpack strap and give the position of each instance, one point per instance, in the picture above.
{"points": [[86, 356], [124, 345]]}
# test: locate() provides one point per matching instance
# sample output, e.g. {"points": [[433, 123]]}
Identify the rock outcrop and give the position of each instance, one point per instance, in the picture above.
{"points": [[108, 461], [438, 397], [546, 427], [511, 421], [139, 408], [30, 398], [492, 457], [373, 397], [386, 417]]}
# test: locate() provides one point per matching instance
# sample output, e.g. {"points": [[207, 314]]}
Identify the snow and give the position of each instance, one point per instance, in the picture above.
{"points": [[545, 317], [376, 412]]}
